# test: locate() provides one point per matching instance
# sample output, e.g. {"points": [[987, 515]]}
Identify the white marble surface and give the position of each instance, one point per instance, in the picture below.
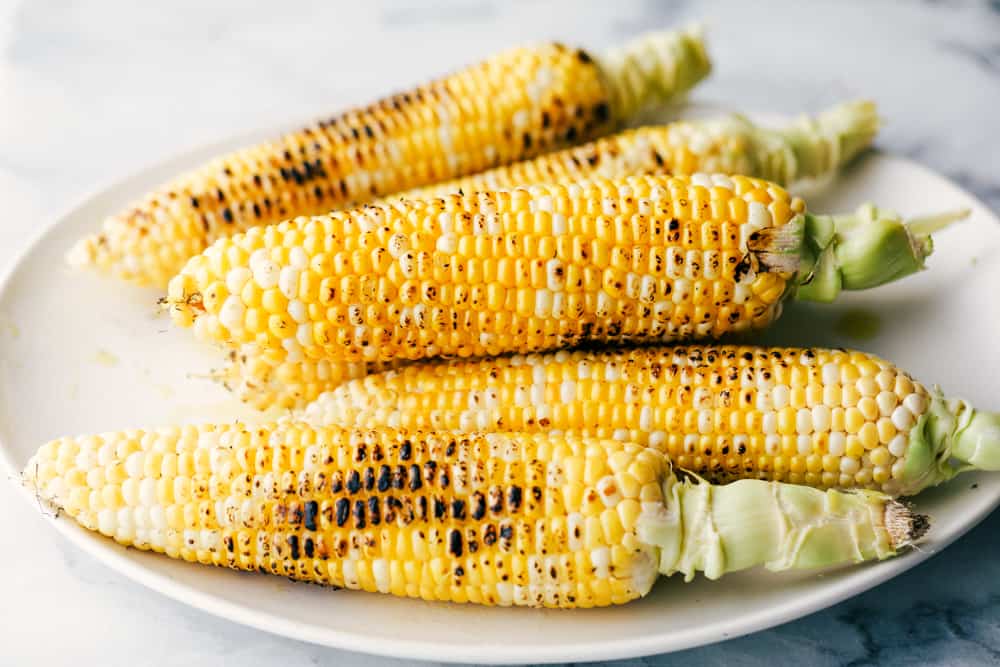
{"points": [[91, 90]]}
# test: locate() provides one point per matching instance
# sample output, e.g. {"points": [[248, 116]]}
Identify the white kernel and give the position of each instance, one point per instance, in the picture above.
{"points": [[821, 418], [558, 224], [898, 468], [902, 418], [690, 442], [543, 303], [723, 181], [558, 305], [600, 559], [292, 348], [288, 282], [804, 444], [106, 522], [849, 465], [915, 403], [483, 420], [298, 258], [770, 423], [764, 383], [135, 464], [555, 273], [398, 244], [232, 312], [447, 243], [772, 445], [831, 373], [779, 396], [236, 279], [609, 206], [838, 443], [445, 222], [304, 335], [298, 311], [898, 445], [657, 439], [804, 421], [701, 179], [621, 435], [764, 402], [567, 391], [705, 421], [543, 203], [266, 274], [645, 418], [758, 216], [611, 372], [608, 490]]}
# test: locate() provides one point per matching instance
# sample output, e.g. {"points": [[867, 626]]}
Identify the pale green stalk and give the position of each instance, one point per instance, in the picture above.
{"points": [[721, 529], [653, 69]]}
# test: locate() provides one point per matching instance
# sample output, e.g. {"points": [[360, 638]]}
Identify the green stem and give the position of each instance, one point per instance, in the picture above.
{"points": [[721, 529], [653, 69], [862, 250]]}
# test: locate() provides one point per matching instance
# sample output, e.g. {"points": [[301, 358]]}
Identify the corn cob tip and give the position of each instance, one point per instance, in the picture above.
{"points": [[81, 254], [823, 143], [655, 68], [905, 526]]}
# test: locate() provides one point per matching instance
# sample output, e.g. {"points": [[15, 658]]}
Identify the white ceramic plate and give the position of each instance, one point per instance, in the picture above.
{"points": [[79, 353]]}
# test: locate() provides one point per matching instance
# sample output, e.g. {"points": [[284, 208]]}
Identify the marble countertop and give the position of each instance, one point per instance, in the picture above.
{"points": [[90, 91]]}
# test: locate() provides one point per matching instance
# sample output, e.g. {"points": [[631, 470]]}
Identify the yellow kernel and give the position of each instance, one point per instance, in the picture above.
{"points": [[854, 448], [853, 420], [880, 456], [868, 436]]}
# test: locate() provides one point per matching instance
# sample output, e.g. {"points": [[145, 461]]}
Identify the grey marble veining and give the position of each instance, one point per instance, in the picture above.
{"points": [[91, 90]]}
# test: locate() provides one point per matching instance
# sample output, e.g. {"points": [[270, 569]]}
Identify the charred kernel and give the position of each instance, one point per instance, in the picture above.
{"points": [[496, 499], [343, 511], [415, 480], [478, 505], [384, 478], [311, 509], [455, 543], [374, 512], [489, 535], [369, 478], [439, 508], [405, 450], [336, 482], [359, 514], [293, 545], [353, 482], [309, 547], [514, 498], [457, 509], [399, 477], [422, 508]]}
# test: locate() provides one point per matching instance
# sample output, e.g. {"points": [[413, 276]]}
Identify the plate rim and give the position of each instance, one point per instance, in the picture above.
{"points": [[115, 557]]}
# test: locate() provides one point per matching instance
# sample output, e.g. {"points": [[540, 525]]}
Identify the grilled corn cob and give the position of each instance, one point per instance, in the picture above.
{"points": [[516, 105], [825, 418], [810, 147], [502, 519], [650, 258]]}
